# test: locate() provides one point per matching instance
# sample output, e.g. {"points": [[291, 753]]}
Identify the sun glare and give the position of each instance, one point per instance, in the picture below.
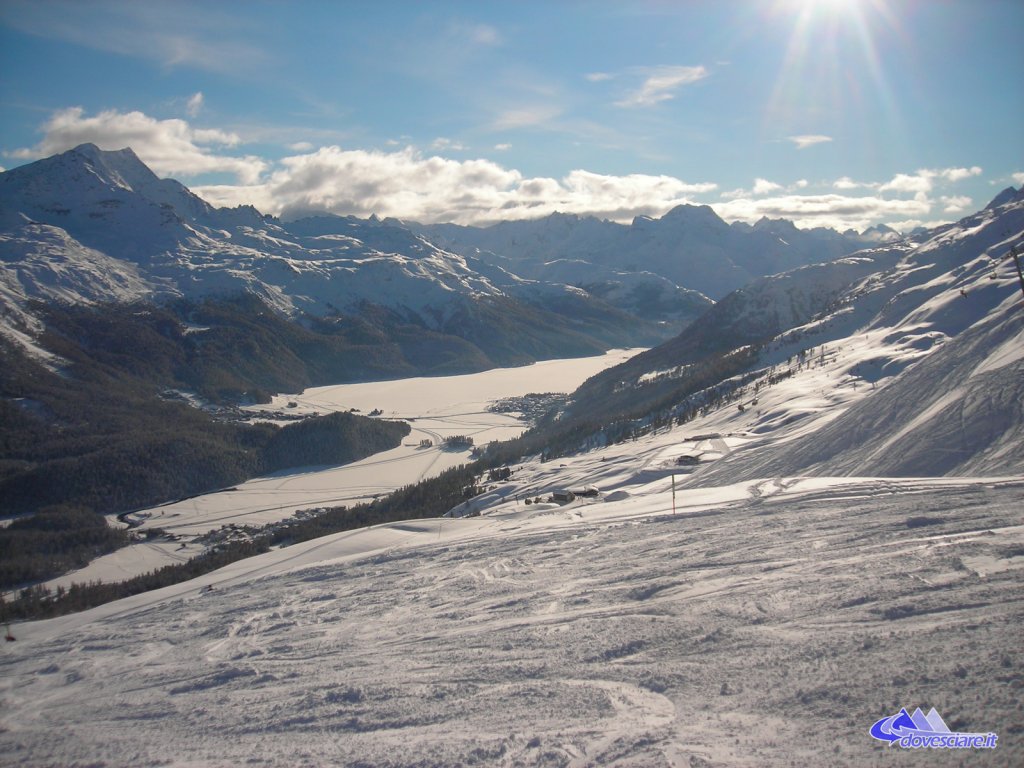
{"points": [[827, 6], [832, 64]]}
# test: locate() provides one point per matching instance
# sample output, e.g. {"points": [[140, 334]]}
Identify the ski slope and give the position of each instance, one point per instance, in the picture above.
{"points": [[686, 616], [759, 624]]}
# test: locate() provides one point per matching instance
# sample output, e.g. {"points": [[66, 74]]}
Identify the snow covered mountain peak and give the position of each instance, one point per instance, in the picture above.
{"points": [[694, 215], [120, 167], [1008, 195]]}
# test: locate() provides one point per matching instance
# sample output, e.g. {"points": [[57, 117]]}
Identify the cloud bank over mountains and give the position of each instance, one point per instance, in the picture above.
{"points": [[408, 183]]}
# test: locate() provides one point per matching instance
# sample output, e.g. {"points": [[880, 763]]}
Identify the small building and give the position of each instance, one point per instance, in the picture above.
{"points": [[563, 497], [687, 460], [586, 491]]}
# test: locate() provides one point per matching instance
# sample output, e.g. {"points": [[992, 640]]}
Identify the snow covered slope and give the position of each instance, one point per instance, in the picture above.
{"points": [[947, 343], [762, 623], [39, 261], [909, 352]]}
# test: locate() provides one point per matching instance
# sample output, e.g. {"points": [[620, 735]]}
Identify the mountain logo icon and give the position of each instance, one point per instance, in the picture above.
{"points": [[918, 730]]}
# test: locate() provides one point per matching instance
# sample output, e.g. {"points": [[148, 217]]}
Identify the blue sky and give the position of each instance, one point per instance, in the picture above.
{"points": [[841, 113]]}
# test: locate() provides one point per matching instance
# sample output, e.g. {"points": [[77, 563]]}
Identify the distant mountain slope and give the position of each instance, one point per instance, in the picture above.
{"points": [[690, 246], [43, 262], [904, 359], [751, 315], [95, 226], [959, 411]]}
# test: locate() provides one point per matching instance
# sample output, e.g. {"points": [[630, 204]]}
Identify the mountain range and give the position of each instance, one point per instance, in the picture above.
{"points": [[90, 226], [689, 246]]}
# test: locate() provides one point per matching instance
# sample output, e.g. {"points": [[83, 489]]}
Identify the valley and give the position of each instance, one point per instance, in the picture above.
{"points": [[435, 409]]}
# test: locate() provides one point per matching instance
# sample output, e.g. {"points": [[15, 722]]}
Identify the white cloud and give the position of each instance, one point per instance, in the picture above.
{"points": [[598, 77], [847, 183], [846, 209], [764, 187], [441, 143], [761, 187], [661, 83], [407, 184], [169, 147], [958, 174], [195, 104], [809, 140], [923, 181], [524, 117], [503, 147], [955, 204], [1018, 177], [907, 225], [830, 210], [920, 182]]}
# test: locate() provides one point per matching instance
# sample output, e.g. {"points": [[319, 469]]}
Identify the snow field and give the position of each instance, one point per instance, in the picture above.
{"points": [[770, 628]]}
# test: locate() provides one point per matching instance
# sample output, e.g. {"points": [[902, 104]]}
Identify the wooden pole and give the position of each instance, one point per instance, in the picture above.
{"points": [[1016, 261]]}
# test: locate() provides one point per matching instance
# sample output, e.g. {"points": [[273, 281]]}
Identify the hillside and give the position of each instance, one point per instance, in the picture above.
{"points": [[746, 625], [876, 314]]}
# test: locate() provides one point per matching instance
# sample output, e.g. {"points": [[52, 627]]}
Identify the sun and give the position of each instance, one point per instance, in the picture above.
{"points": [[833, 63], [829, 6]]}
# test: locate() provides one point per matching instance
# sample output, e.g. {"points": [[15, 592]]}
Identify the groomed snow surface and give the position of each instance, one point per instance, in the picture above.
{"points": [[767, 623]]}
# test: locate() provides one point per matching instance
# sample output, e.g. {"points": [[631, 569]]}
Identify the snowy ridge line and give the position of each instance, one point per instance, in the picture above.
{"points": [[89, 226]]}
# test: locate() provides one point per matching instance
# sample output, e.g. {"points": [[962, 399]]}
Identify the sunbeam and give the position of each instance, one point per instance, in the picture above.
{"points": [[832, 73]]}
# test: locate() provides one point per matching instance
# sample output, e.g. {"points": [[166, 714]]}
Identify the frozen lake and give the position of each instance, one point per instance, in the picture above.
{"points": [[436, 408]]}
